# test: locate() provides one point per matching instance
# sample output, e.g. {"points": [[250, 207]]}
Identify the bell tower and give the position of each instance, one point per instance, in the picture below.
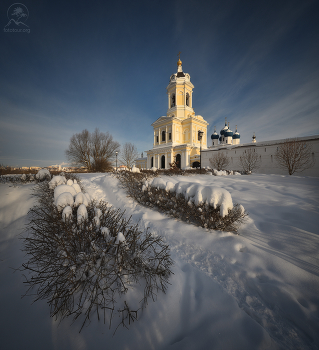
{"points": [[180, 94]]}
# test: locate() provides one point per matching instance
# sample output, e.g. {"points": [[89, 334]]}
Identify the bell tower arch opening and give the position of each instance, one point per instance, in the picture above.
{"points": [[187, 99]]}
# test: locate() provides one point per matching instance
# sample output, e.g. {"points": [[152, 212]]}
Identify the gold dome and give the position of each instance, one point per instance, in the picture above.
{"points": [[179, 62]]}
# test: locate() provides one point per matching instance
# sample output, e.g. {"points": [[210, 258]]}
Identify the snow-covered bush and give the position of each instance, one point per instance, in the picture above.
{"points": [[17, 179], [209, 207], [85, 258], [135, 170], [43, 174]]}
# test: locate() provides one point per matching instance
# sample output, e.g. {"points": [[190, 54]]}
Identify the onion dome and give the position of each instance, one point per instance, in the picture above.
{"points": [[179, 62], [228, 132], [214, 136], [254, 138], [222, 131], [236, 134]]}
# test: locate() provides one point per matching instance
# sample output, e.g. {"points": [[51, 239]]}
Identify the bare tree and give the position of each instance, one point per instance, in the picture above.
{"points": [[128, 154], [249, 160], [94, 150], [294, 155], [219, 161]]}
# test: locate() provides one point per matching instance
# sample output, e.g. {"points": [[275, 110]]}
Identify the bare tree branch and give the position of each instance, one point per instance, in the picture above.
{"points": [[128, 154], [249, 160], [219, 161], [295, 156], [94, 151]]}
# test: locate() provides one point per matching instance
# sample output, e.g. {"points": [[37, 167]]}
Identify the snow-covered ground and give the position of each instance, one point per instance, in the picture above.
{"points": [[258, 290]]}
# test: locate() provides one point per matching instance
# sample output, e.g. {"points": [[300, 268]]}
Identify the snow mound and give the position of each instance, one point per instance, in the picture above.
{"points": [[220, 172], [120, 238], [67, 214], [154, 169], [82, 213], [80, 198], [135, 170], [196, 193], [69, 182], [56, 181], [63, 188], [63, 200], [76, 187], [43, 174], [105, 231]]}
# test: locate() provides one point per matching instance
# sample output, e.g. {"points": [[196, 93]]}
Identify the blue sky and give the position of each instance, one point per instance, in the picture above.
{"points": [[107, 64]]}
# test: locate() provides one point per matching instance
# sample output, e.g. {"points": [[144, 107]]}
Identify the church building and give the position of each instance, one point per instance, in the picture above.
{"points": [[181, 136], [178, 136]]}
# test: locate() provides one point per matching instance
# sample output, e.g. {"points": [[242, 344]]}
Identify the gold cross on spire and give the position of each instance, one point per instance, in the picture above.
{"points": [[179, 55]]}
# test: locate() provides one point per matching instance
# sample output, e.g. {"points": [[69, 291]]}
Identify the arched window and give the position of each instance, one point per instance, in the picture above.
{"points": [[163, 162], [196, 164], [187, 99], [173, 101], [178, 160], [163, 135]]}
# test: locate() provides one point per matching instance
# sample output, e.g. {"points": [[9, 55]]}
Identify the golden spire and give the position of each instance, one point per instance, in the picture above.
{"points": [[179, 62]]}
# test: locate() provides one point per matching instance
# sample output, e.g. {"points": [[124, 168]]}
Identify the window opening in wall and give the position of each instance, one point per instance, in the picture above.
{"points": [[163, 162], [178, 160], [157, 139], [169, 135], [187, 99], [163, 135], [173, 101], [152, 162]]}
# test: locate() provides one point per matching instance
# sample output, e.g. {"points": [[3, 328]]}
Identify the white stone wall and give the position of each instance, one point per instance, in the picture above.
{"points": [[266, 151]]}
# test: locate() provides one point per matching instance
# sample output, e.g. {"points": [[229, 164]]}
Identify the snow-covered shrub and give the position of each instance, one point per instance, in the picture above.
{"points": [[43, 174], [89, 260], [220, 172], [209, 207], [63, 200], [135, 170], [56, 181], [17, 179]]}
